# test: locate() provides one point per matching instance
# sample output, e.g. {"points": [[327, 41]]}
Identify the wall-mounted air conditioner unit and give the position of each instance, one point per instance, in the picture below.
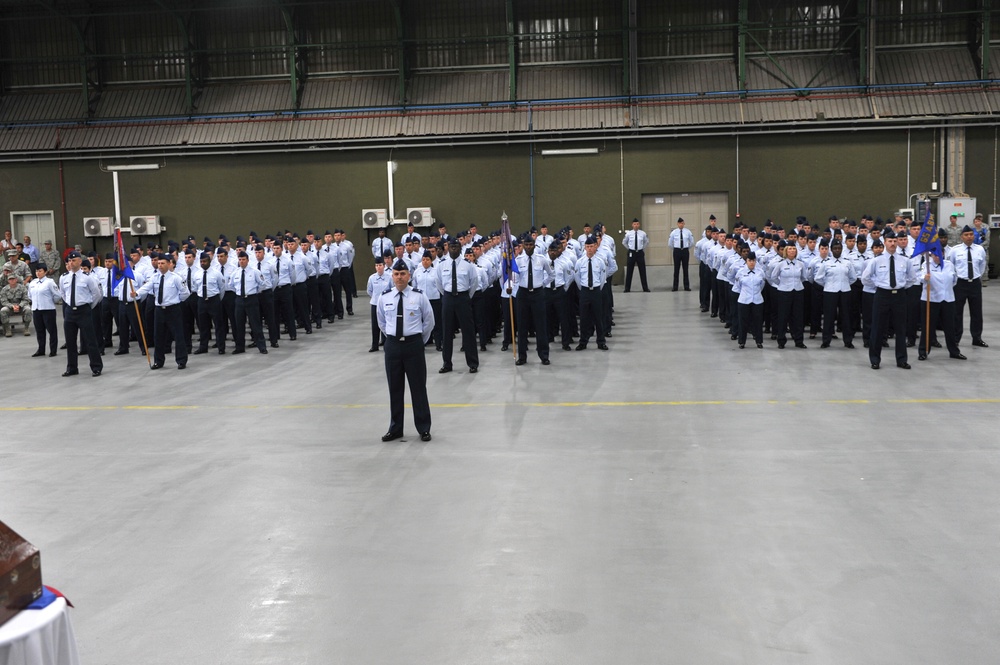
{"points": [[96, 227], [419, 216], [374, 218], [145, 225]]}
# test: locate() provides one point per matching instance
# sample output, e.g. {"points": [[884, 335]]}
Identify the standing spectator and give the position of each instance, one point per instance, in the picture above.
{"points": [[681, 240], [30, 250], [7, 244], [982, 238], [50, 257], [43, 293]]}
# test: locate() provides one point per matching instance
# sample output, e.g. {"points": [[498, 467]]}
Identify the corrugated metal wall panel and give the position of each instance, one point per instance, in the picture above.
{"points": [[812, 71], [485, 122], [929, 103], [142, 102], [40, 106], [368, 91], [693, 113], [21, 139], [925, 65], [245, 97], [459, 87], [543, 120], [569, 82], [795, 109], [659, 78]]}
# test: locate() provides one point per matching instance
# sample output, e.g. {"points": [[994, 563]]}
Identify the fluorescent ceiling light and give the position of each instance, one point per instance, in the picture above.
{"points": [[133, 167], [569, 151]]}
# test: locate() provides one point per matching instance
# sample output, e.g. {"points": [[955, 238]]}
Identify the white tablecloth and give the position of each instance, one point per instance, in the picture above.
{"points": [[39, 637]]}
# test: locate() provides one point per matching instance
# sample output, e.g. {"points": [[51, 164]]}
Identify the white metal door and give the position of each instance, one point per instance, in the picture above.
{"points": [[660, 213], [39, 225]]}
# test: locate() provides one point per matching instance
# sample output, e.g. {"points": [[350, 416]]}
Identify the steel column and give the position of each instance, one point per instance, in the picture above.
{"points": [[511, 51]]}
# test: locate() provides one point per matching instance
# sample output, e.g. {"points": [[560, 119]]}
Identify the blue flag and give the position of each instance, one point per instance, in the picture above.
{"points": [[123, 269], [927, 241], [507, 264]]}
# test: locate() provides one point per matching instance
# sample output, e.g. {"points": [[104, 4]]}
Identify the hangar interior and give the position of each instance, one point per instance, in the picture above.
{"points": [[670, 501]]}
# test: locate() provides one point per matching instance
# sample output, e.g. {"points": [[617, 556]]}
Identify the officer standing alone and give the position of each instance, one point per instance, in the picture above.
{"points": [[405, 316]]}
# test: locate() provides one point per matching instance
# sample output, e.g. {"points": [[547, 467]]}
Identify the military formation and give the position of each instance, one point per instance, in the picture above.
{"points": [[845, 280]]}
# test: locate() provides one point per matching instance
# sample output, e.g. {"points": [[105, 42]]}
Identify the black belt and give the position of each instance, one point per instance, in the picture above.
{"points": [[889, 291], [284, 286], [80, 307], [404, 338], [249, 295], [168, 306]]}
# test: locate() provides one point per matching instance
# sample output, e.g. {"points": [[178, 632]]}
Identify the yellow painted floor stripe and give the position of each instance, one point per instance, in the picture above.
{"points": [[478, 405]]}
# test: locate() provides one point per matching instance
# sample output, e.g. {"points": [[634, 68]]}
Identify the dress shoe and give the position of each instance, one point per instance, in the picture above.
{"points": [[545, 361], [263, 351], [567, 347], [520, 361], [801, 345], [222, 352], [581, 347], [825, 345], [96, 372], [781, 345], [645, 290], [63, 347], [674, 289], [373, 349], [608, 334], [733, 337], [505, 347], [274, 345], [714, 315], [425, 436], [309, 331], [743, 346], [444, 370], [602, 347], [936, 344], [759, 345], [473, 370], [922, 357], [340, 316], [197, 352], [903, 365], [979, 342], [350, 312], [293, 338], [238, 351], [482, 347], [122, 352], [438, 347], [71, 372], [52, 354], [687, 288], [958, 356], [155, 366], [392, 436], [866, 345], [330, 320], [37, 354], [182, 366], [848, 345], [875, 365]]}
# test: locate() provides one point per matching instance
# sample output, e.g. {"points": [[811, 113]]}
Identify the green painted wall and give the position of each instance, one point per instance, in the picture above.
{"points": [[780, 176]]}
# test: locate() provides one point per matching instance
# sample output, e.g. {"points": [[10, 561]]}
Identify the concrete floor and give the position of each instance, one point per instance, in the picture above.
{"points": [[674, 500]]}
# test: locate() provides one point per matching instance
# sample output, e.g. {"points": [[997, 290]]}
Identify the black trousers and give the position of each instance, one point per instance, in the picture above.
{"points": [[45, 322], [867, 314], [508, 322], [458, 308], [704, 286], [607, 306], [405, 363], [972, 293], [109, 320], [350, 284], [751, 322], [228, 317], [479, 318], [128, 323], [837, 304], [189, 313], [788, 315], [681, 257], [300, 299], [336, 285], [168, 325], [210, 315], [438, 322], [248, 309], [913, 310], [815, 307], [325, 296], [80, 321], [942, 314], [591, 306], [531, 306], [557, 314], [888, 309], [636, 260], [315, 303], [284, 312], [266, 303], [376, 331]]}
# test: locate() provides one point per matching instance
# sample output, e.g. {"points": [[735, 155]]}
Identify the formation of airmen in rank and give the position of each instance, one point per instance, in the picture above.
{"points": [[847, 278]]}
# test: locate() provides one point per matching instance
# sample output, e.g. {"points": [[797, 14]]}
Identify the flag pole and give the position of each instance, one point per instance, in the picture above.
{"points": [[508, 260], [927, 319], [138, 317], [513, 331]]}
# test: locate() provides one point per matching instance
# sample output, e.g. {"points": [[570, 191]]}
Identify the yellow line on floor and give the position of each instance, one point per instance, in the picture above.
{"points": [[479, 405]]}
